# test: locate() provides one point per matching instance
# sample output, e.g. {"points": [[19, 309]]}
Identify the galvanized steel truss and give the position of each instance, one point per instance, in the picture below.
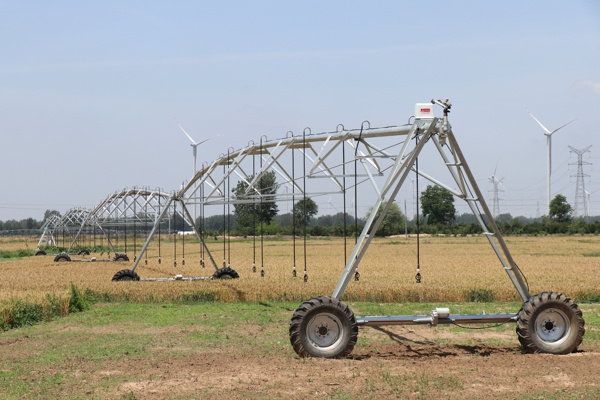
{"points": [[385, 155]]}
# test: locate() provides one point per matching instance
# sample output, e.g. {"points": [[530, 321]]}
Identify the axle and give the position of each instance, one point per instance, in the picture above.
{"points": [[436, 317]]}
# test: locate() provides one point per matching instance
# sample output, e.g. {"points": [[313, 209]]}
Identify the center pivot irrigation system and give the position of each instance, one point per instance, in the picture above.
{"points": [[374, 162], [129, 212], [324, 326]]}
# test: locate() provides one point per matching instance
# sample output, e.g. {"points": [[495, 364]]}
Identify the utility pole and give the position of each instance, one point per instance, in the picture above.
{"points": [[581, 200]]}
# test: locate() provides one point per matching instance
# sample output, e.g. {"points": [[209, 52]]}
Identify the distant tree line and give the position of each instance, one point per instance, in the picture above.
{"points": [[27, 223], [438, 216]]}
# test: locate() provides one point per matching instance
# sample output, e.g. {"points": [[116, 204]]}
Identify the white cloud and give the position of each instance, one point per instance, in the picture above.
{"points": [[594, 86]]}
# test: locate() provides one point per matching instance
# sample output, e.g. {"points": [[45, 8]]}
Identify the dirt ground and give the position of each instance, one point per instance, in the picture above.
{"points": [[408, 365], [399, 362], [395, 370]]}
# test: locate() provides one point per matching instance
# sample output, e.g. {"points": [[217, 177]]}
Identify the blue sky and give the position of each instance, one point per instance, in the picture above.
{"points": [[89, 90]]}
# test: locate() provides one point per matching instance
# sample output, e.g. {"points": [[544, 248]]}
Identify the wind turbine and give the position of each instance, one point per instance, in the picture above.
{"points": [[549, 152], [414, 197], [286, 188], [194, 145], [329, 202], [495, 200], [588, 202]]}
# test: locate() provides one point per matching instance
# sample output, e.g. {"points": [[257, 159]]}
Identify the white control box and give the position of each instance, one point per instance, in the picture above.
{"points": [[424, 111]]}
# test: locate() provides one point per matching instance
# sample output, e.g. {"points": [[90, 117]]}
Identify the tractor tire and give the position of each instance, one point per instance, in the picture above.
{"points": [[40, 253], [550, 322], [121, 257], [84, 252], [126, 275], [62, 257], [225, 273], [323, 327]]}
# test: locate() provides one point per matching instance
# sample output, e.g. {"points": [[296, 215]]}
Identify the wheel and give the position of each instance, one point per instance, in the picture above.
{"points": [[40, 253], [84, 252], [62, 257], [550, 322], [121, 257], [126, 275], [225, 273], [323, 327]]}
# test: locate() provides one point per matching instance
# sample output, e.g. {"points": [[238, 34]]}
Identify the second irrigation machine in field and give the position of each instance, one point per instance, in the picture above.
{"points": [[324, 326]]}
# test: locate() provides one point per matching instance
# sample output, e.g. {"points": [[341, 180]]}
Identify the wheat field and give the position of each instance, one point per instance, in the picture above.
{"points": [[451, 267]]}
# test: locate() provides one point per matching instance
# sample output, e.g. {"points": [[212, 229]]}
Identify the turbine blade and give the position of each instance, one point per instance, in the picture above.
{"points": [[502, 184], [495, 169], [563, 126], [186, 134], [206, 140], [536, 120]]}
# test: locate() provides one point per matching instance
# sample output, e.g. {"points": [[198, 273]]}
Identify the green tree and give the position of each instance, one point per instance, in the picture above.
{"points": [[560, 210], [249, 215], [304, 210], [438, 206], [393, 222], [49, 213]]}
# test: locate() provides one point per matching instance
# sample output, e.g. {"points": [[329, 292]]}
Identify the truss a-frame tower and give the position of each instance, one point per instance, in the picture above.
{"points": [[324, 326]]}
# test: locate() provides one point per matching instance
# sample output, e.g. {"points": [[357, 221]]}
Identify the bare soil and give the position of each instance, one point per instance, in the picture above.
{"points": [[401, 367], [397, 362]]}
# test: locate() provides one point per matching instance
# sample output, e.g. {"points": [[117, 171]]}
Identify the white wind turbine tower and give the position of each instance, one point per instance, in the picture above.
{"points": [[286, 189], [329, 202], [549, 152], [588, 202], [194, 145], [414, 196], [495, 200]]}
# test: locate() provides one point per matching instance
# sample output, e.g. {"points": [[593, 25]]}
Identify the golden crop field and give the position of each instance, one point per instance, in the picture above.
{"points": [[450, 266]]}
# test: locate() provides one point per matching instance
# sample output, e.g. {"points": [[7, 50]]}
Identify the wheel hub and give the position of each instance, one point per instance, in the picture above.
{"points": [[324, 330], [548, 325], [552, 325]]}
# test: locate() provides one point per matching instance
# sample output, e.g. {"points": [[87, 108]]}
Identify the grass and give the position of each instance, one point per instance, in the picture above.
{"points": [[69, 357], [15, 254], [121, 331], [594, 254]]}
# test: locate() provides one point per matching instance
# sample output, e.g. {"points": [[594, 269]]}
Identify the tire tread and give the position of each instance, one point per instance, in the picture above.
{"points": [[312, 304], [525, 322]]}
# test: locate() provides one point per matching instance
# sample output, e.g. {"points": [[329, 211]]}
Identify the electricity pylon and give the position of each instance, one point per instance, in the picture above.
{"points": [[581, 206]]}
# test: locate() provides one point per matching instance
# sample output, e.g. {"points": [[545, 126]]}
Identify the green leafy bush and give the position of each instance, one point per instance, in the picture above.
{"points": [[480, 295], [78, 301]]}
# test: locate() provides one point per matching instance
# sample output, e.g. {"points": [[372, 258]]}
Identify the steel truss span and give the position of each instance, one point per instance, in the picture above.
{"points": [[369, 160], [134, 210], [121, 210], [66, 225]]}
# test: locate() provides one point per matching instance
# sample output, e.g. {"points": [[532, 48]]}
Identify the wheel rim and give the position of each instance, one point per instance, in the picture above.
{"points": [[126, 278], [552, 326], [226, 276], [324, 331]]}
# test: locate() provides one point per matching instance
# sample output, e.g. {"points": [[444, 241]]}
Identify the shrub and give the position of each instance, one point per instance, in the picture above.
{"points": [[21, 313], [480, 295], [78, 301]]}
